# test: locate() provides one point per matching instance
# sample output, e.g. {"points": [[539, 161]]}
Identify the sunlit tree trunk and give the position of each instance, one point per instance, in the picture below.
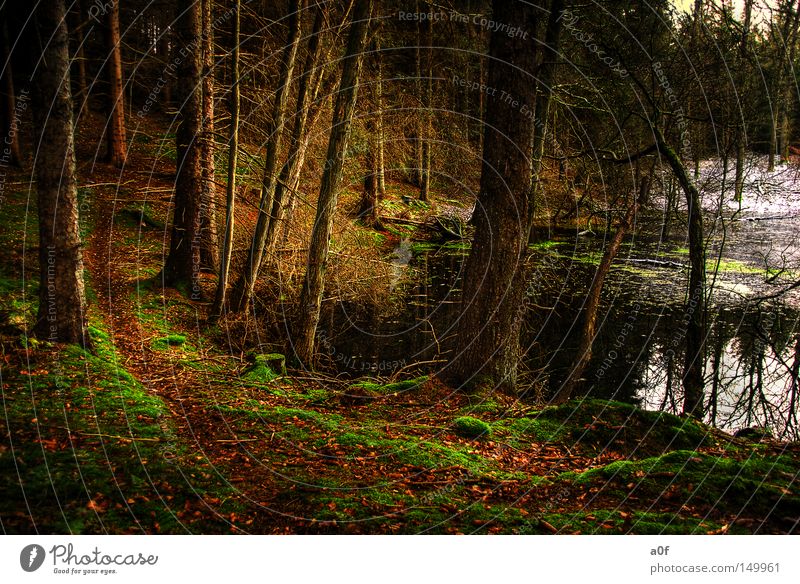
{"points": [[115, 130], [313, 283], [233, 153], [243, 290], [427, 116], [209, 253], [308, 85], [61, 314]]}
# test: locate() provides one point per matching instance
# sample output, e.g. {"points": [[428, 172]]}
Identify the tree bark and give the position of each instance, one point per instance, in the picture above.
{"points": [[307, 87], [694, 319], [10, 126], [233, 153], [182, 266], [488, 350], [115, 131], [209, 252], [243, 291], [61, 315], [313, 283], [584, 355], [425, 187], [547, 77]]}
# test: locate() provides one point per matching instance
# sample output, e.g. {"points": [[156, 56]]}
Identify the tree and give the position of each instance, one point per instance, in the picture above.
{"points": [[495, 277], [313, 283], [233, 152], [61, 314], [243, 291], [9, 108], [209, 252], [182, 266], [115, 130]]}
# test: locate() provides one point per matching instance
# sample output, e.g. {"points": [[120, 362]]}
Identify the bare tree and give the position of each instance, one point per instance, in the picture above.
{"points": [[313, 284]]}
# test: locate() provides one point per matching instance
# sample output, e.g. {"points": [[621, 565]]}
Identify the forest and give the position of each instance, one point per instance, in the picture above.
{"points": [[400, 267]]}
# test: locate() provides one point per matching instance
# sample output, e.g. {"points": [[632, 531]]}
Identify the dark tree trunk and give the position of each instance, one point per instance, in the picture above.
{"points": [[550, 60], [243, 290], [115, 130], [182, 266], [209, 252], [10, 125], [488, 350], [313, 284], [696, 301], [233, 153], [584, 355], [62, 301]]}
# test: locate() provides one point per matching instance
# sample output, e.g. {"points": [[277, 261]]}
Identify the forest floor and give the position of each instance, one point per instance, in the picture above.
{"points": [[161, 428]]}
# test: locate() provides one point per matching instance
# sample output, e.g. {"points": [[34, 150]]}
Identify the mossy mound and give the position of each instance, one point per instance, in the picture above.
{"points": [[365, 391], [169, 341], [265, 367], [601, 424], [469, 427], [764, 487]]}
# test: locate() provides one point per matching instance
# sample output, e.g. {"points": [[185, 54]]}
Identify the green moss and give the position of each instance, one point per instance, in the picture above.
{"points": [[469, 427], [173, 340], [265, 368]]}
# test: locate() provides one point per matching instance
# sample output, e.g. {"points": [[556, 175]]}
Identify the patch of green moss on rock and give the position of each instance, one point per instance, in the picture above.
{"points": [[469, 427]]}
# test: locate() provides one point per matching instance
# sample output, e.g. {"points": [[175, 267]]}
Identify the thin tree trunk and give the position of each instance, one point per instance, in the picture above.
{"points": [[425, 187], [243, 290], [738, 188], [584, 355], [488, 350], [379, 137], [308, 85], [182, 266], [696, 302], [115, 131], [61, 314], [209, 253], [313, 284], [233, 153], [547, 76], [10, 127]]}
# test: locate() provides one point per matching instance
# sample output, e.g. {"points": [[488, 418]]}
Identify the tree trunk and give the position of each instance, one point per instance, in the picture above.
{"points": [[738, 185], [313, 284], [427, 116], [379, 138], [584, 355], [115, 131], [547, 76], [61, 315], [209, 252], [80, 58], [233, 153], [182, 266], [308, 85], [10, 126], [694, 318], [243, 291], [494, 281]]}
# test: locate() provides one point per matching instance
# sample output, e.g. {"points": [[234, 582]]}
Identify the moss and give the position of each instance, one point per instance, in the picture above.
{"points": [[469, 427], [265, 368], [173, 340], [370, 387]]}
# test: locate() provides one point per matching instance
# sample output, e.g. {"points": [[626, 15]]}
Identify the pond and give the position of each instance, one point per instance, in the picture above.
{"points": [[753, 343]]}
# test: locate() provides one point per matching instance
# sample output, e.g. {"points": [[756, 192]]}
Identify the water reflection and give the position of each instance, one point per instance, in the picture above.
{"points": [[752, 356]]}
